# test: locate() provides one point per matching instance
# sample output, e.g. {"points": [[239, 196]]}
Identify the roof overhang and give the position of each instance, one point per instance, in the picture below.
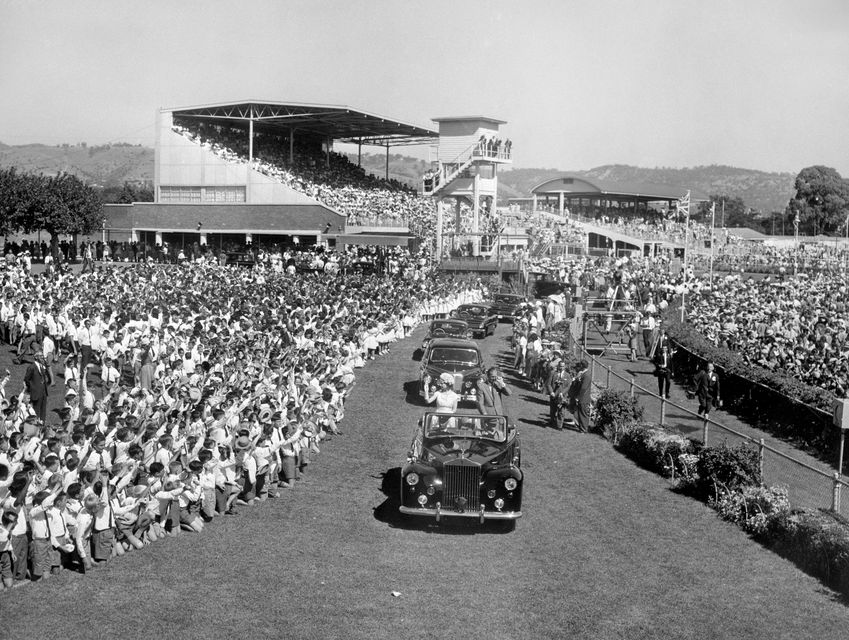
{"points": [[337, 122], [464, 118]]}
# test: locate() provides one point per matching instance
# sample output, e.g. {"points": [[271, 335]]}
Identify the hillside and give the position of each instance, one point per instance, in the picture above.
{"points": [[760, 190], [106, 165], [112, 165]]}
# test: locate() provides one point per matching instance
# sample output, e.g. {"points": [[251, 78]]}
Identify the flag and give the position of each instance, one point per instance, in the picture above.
{"points": [[684, 204]]}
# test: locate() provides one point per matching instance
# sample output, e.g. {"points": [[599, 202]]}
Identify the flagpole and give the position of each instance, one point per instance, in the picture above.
{"points": [[712, 223], [686, 250]]}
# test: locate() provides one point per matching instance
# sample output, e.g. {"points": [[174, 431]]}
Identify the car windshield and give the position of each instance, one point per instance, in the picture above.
{"points": [[455, 355], [450, 328], [509, 299], [473, 311], [448, 426]]}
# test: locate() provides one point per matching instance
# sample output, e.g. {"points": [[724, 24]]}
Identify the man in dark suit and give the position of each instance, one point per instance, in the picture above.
{"points": [[557, 388], [707, 389], [37, 379], [580, 399]]}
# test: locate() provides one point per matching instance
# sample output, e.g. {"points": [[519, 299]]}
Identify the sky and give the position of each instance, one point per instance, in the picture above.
{"points": [[755, 84]]}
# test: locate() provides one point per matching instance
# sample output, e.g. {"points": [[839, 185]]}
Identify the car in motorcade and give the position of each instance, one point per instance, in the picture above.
{"points": [[458, 357], [446, 328], [463, 465], [505, 306], [480, 318]]}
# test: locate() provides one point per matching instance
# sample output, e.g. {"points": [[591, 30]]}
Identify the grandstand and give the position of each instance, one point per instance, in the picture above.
{"points": [[618, 217], [257, 172]]}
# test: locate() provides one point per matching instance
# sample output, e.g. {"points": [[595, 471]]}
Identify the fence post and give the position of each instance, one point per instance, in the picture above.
{"points": [[608, 378], [705, 432], [631, 388], [835, 496], [662, 411], [761, 459]]}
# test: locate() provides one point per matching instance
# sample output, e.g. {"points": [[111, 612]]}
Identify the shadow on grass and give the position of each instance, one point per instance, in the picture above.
{"points": [[388, 513], [534, 423], [535, 399]]}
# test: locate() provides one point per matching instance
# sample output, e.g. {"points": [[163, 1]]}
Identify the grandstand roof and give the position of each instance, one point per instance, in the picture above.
{"points": [[580, 186], [464, 118], [338, 122]]}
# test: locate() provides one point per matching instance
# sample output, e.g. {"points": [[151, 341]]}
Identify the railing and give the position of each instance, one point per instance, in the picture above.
{"points": [[432, 183], [812, 487]]}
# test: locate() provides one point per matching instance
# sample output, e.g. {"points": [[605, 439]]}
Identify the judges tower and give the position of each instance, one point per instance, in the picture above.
{"points": [[470, 149]]}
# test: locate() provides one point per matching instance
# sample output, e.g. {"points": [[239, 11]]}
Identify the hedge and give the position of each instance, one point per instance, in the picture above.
{"points": [[728, 479]]}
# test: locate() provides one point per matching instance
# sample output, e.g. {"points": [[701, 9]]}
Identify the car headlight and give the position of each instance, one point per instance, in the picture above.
{"points": [[413, 478], [510, 483], [467, 384]]}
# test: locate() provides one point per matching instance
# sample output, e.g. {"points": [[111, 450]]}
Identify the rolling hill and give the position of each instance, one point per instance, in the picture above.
{"points": [[104, 166], [112, 165]]}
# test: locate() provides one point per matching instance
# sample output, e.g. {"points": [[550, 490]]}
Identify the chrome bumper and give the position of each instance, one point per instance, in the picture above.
{"points": [[481, 515]]}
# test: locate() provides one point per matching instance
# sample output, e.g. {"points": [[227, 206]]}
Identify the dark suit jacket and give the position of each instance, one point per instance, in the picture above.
{"points": [[581, 389], [36, 382]]}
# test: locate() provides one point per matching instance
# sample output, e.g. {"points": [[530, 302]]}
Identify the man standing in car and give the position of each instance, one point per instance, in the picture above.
{"points": [[491, 390]]}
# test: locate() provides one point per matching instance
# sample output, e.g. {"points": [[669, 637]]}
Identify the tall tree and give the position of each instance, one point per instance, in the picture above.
{"points": [[59, 205], [821, 200]]}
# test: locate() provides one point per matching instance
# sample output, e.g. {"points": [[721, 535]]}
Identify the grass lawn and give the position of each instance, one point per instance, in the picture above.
{"points": [[605, 550]]}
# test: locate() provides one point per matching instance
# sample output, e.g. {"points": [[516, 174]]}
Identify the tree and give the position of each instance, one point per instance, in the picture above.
{"points": [[821, 200], [127, 193], [59, 205]]}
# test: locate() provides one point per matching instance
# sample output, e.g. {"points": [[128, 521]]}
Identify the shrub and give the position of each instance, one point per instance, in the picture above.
{"points": [[726, 468], [817, 543], [614, 411], [757, 510], [656, 448]]}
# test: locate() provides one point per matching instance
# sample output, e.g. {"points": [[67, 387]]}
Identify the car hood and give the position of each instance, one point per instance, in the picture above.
{"points": [[444, 450]]}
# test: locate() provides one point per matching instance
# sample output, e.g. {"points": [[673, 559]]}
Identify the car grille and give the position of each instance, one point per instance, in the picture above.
{"points": [[461, 481]]}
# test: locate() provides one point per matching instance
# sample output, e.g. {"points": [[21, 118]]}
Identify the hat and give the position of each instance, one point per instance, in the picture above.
{"points": [[69, 393], [242, 443], [265, 415], [139, 491]]}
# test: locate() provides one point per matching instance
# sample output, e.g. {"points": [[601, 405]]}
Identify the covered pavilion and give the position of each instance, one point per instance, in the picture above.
{"points": [[326, 122]]}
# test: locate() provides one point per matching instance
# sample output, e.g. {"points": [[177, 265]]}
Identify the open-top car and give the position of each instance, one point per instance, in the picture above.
{"points": [[505, 305], [463, 465], [446, 328], [480, 318], [459, 358]]}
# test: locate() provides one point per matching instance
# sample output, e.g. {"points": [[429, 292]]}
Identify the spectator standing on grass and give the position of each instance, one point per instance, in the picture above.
{"points": [[580, 396], [37, 378], [707, 389], [663, 370]]}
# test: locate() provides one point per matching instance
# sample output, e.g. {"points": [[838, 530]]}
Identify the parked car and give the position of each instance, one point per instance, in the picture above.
{"points": [[463, 465], [458, 357], [505, 306], [480, 318], [446, 328]]}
